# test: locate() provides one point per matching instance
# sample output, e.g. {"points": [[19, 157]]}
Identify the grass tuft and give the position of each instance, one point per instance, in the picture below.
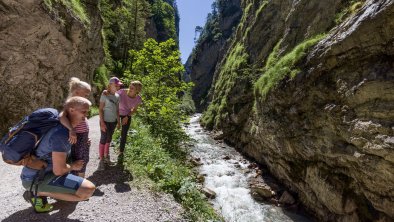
{"points": [[77, 8], [277, 69], [351, 8]]}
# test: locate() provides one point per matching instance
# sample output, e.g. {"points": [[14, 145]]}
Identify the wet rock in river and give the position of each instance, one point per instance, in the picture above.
{"points": [[286, 198], [218, 135], [237, 165], [209, 193], [196, 161], [252, 165], [226, 158], [230, 173], [260, 190], [201, 178]]}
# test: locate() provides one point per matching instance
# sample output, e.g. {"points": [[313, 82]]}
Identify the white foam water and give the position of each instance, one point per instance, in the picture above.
{"points": [[226, 173]]}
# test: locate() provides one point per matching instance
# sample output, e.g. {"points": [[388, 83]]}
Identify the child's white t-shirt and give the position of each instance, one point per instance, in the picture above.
{"points": [[111, 107]]}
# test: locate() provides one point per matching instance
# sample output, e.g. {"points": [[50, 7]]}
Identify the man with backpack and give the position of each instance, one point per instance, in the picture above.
{"points": [[54, 179]]}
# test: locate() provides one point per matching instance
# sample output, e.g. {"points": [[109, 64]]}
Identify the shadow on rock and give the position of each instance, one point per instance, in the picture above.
{"points": [[113, 174], [61, 211]]}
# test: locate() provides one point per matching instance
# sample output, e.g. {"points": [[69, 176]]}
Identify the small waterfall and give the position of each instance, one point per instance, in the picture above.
{"points": [[226, 173]]}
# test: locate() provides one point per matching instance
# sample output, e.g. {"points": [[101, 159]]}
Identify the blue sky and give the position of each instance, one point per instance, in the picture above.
{"points": [[192, 14]]}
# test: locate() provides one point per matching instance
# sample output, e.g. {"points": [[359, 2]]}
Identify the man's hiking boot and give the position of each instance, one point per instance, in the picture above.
{"points": [[42, 205]]}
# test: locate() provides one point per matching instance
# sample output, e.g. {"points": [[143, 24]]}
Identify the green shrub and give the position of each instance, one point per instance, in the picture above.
{"points": [[100, 78], [159, 68], [187, 105], [93, 111], [208, 118], [277, 69]]}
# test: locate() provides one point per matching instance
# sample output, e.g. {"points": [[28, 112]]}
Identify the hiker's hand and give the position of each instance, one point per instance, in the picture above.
{"points": [[72, 137], [124, 120], [77, 165], [118, 126], [103, 127], [105, 92], [89, 142]]}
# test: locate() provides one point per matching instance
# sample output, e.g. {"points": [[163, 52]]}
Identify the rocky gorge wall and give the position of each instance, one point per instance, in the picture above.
{"points": [[41, 48], [307, 89], [209, 51]]}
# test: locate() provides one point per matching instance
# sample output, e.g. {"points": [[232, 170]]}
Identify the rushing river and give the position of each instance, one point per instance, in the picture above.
{"points": [[226, 173]]}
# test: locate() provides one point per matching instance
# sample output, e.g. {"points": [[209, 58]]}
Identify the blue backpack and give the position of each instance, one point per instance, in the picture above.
{"points": [[18, 145]]}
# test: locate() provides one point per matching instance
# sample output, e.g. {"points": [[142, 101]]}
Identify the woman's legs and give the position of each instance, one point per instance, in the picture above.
{"points": [[123, 135]]}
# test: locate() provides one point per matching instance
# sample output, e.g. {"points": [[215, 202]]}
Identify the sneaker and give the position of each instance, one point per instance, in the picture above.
{"points": [[42, 205], [101, 165], [108, 161]]}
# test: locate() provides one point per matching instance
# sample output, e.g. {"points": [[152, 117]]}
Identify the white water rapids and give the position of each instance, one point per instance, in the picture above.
{"points": [[227, 177]]}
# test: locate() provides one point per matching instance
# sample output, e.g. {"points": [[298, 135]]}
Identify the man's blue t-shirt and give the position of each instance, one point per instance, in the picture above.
{"points": [[56, 140]]}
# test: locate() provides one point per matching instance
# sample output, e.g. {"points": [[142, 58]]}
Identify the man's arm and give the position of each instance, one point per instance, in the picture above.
{"points": [[101, 115], [60, 167], [66, 123], [134, 109]]}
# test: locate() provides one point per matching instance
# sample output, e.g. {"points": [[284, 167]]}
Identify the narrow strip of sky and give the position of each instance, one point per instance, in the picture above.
{"points": [[192, 14]]}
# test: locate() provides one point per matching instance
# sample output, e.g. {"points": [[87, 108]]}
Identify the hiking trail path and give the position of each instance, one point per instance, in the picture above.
{"points": [[115, 199]]}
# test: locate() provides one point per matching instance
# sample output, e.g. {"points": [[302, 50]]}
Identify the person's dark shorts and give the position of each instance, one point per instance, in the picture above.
{"points": [[68, 183]]}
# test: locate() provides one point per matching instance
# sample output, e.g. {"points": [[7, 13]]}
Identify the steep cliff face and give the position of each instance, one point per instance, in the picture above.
{"points": [[210, 49], [164, 21], [318, 110], [41, 48]]}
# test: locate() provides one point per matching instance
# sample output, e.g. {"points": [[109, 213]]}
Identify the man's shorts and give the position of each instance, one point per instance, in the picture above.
{"points": [[68, 183]]}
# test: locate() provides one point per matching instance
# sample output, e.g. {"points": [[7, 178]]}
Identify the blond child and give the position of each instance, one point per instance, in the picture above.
{"points": [[109, 119], [80, 149]]}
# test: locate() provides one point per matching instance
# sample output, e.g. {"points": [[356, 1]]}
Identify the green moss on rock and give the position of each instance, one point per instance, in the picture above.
{"points": [[233, 67], [277, 69], [75, 6]]}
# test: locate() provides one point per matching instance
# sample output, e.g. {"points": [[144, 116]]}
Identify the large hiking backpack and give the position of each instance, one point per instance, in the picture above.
{"points": [[18, 145]]}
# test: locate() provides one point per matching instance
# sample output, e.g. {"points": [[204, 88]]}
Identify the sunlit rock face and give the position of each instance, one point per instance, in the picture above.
{"points": [[41, 49], [328, 132]]}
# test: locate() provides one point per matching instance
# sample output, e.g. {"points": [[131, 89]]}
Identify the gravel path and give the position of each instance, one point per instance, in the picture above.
{"points": [[114, 200]]}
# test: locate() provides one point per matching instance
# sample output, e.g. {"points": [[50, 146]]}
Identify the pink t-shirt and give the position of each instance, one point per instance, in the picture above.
{"points": [[126, 102]]}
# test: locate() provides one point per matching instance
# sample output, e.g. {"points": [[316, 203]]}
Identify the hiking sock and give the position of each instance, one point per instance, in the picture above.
{"points": [[101, 150]]}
